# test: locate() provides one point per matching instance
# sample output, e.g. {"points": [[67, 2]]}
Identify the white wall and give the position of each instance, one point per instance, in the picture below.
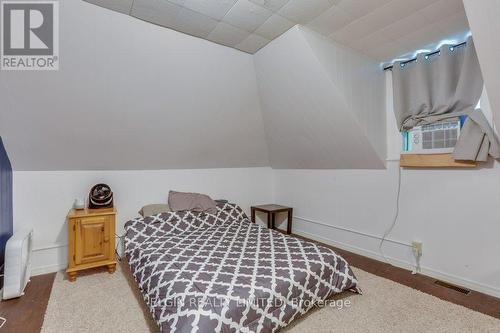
{"points": [[360, 83], [454, 212], [307, 103], [485, 25], [42, 199], [130, 95]]}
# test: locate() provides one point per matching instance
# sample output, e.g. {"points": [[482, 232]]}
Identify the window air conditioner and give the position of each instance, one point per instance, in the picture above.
{"points": [[436, 138]]}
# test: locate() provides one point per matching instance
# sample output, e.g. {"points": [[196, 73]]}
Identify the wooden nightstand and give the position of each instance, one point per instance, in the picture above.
{"points": [[91, 238], [271, 211]]}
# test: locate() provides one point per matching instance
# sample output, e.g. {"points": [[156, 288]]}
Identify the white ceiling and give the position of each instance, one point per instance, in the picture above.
{"points": [[382, 29]]}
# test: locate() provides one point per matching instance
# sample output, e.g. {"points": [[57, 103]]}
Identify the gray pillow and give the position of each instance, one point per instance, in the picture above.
{"points": [[181, 201], [154, 209]]}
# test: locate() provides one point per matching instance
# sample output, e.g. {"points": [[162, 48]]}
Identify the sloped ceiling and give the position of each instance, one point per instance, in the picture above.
{"points": [[132, 95], [318, 101], [381, 29], [485, 26], [360, 83]]}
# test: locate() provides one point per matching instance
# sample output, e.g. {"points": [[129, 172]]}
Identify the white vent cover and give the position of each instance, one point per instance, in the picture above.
{"points": [[17, 264]]}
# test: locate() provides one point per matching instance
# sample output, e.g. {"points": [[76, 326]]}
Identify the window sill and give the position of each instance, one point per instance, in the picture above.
{"points": [[433, 161]]}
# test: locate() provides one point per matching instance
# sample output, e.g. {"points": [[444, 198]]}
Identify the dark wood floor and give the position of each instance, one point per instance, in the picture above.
{"points": [[25, 314], [474, 300]]}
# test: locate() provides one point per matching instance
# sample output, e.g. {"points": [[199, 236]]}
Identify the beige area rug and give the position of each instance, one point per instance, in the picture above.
{"points": [[100, 302]]}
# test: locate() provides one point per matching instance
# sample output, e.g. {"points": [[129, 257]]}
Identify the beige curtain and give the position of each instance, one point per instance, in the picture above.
{"points": [[445, 85]]}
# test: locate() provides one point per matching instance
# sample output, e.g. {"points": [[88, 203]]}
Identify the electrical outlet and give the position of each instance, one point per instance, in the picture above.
{"points": [[417, 247]]}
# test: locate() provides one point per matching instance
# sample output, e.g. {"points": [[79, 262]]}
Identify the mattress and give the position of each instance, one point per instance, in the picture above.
{"points": [[201, 272]]}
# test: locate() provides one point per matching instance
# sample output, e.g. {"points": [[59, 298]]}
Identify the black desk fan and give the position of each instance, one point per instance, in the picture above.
{"points": [[100, 196]]}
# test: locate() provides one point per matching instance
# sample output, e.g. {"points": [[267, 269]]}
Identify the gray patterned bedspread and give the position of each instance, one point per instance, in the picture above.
{"points": [[219, 272]]}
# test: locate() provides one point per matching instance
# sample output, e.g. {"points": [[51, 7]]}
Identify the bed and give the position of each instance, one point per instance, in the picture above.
{"points": [[218, 272]]}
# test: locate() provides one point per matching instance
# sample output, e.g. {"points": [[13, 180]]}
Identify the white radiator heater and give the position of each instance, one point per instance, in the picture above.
{"points": [[17, 269]]}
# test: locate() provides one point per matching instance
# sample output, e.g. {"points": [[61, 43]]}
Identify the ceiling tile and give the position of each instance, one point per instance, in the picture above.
{"points": [[331, 20], [214, 9], [362, 27], [358, 8], [122, 6], [156, 11], [247, 15], [378, 34], [228, 35], [303, 11], [343, 36], [398, 9], [372, 41], [383, 29], [387, 51], [455, 24], [441, 9], [380, 18], [194, 23], [355, 31], [274, 27], [252, 43], [404, 26], [177, 2], [272, 5], [423, 37]]}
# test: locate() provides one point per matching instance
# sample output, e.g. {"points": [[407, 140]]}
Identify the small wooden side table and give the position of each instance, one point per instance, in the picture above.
{"points": [[271, 211], [91, 237]]}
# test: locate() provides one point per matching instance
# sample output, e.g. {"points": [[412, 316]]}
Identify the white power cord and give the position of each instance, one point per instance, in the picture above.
{"points": [[394, 221]]}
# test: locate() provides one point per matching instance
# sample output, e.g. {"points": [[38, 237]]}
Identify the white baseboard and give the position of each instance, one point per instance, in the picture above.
{"points": [[48, 259], [436, 274], [47, 269]]}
